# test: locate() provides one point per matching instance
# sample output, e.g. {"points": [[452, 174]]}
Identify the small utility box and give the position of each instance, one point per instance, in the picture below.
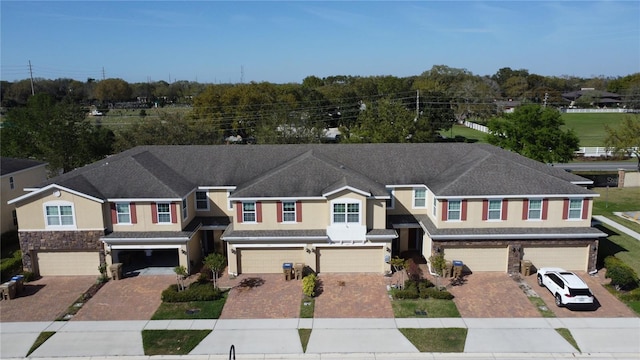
{"points": [[448, 267], [116, 271], [457, 268], [525, 267], [287, 269], [298, 269]]}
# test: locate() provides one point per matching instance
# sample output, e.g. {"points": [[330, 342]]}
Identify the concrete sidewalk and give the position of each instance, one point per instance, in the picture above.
{"points": [[614, 338], [617, 226]]}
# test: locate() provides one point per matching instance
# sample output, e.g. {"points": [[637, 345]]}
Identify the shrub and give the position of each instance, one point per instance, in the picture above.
{"points": [[434, 293], [28, 276], [406, 293], [410, 284], [11, 266], [309, 285], [622, 275], [194, 292], [633, 295], [413, 270]]}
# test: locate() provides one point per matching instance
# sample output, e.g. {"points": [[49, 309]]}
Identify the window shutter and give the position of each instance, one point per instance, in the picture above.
{"points": [[505, 208], [463, 211], [485, 209], [279, 211], [585, 209], [525, 209], [114, 214], [259, 211], [239, 211], [154, 213], [134, 214], [445, 210], [298, 211], [565, 209], [545, 208], [174, 216]]}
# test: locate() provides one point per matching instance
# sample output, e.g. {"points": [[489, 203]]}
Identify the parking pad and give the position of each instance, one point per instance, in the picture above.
{"points": [[516, 341], [359, 341], [250, 342], [83, 344]]}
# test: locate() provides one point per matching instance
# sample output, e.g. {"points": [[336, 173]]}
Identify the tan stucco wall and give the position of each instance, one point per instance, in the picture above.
{"points": [[403, 202], [21, 179], [145, 223], [632, 179], [88, 213], [376, 214], [218, 204], [195, 252], [314, 216]]}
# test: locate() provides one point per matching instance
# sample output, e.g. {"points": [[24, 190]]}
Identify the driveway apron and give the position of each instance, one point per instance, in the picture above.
{"points": [[353, 296], [262, 296]]}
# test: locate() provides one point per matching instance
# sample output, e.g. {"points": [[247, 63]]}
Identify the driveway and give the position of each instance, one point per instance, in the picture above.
{"points": [[353, 296], [45, 299], [132, 298], [609, 305]]}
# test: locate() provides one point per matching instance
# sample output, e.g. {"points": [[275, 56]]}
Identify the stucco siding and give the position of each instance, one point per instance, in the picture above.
{"points": [[88, 214]]}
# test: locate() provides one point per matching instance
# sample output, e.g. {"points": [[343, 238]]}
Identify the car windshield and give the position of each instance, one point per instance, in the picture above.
{"points": [[580, 292]]}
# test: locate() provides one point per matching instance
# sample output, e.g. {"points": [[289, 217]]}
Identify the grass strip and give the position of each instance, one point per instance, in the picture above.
{"points": [[190, 310], [44, 336], [437, 340], [307, 307], [566, 334], [541, 306], [434, 308], [171, 342], [305, 334]]}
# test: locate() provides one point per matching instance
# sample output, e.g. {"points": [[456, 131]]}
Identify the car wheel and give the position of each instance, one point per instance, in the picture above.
{"points": [[558, 300], [540, 280]]}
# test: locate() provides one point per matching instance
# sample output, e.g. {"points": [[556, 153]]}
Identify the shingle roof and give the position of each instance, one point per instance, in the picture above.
{"points": [[313, 169], [11, 165]]}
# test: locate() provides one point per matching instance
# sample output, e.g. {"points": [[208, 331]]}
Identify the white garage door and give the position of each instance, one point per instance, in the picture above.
{"points": [[267, 261], [479, 259], [68, 263], [352, 259], [568, 258]]}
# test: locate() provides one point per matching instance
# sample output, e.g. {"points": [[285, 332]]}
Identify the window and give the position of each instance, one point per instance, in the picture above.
{"points": [[249, 212], [289, 211], [419, 198], [494, 210], [12, 185], [435, 206], [185, 213], [14, 215], [123, 213], [346, 213], [454, 210], [535, 210], [202, 201], [59, 215], [164, 213], [575, 208]]}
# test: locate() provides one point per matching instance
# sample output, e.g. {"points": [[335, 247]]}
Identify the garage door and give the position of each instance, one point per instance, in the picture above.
{"points": [[267, 261], [480, 259], [68, 263], [352, 259], [568, 258]]}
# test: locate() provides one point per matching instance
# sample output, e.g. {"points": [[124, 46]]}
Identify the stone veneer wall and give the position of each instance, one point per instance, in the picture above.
{"points": [[33, 241], [515, 248]]}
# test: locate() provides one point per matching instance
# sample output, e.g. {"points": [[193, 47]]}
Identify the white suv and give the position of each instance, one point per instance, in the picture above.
{"points": [[566, 287]]}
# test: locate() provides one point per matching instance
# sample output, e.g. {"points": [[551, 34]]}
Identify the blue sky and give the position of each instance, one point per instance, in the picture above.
{"points": [[277, 41]]}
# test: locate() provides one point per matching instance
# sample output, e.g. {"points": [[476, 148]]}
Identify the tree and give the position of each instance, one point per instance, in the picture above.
{"points": [[113, 90], [385, 121], [57, 133], [399, 264], [438, 265], [181, 275], [215, 263], [535, 132], [626, 138]]}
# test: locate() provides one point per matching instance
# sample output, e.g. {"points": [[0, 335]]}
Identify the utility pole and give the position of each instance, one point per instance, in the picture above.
{"points": [[241, 74], [103, 76], [31, 75], [417, 105], [546, 97]]}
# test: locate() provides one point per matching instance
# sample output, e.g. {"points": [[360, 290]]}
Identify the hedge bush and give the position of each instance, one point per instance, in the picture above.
{"points": [[406, 293], [194, 292], [622, 275], [432, 292], [309, 285], [11, 266], [633, 295]]}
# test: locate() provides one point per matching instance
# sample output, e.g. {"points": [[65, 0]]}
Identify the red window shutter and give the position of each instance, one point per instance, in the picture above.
{"points": [[239, 211], [545, 208], [114, 214], [505, 208], [485, 209], [585, 209], [565, 209], [154, 213], [258, 211], [279, 211], [298, 211], [463, 211], [134, 214], [525, 209], [174, 216], [445, 209]]}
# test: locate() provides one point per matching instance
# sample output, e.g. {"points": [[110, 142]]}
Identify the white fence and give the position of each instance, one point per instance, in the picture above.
{"points": [[613, 110], [475, 126]]}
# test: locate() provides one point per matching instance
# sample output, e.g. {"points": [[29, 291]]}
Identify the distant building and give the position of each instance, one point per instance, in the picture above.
{"points": [[598, 98], [16, 175]]}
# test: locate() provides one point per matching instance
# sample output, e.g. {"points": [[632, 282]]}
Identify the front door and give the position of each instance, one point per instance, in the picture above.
{"points": [[415, 239]]}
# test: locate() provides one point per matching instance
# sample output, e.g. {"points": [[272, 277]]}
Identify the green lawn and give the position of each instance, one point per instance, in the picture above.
{"points": [[434, 308], [44, 336], [304, 334], [566, 334], [590, 126], [171, 342], [470, 134], [307, 306], [190, 310], [623, 246], [437, 340], [118, 118]]}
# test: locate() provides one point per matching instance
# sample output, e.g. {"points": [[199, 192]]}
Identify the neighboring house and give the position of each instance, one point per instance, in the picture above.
{"points": [[16, 175], [507, 106], [597, 98], [333, 207]]}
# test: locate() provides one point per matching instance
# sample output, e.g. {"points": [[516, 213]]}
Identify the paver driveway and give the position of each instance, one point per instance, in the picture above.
{"points": [[609, 305], [132, 298], [353, 296], [45, 299]]}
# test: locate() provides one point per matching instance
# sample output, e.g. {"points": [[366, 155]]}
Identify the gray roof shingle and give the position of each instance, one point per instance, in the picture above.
{"points": [[10, 165]]}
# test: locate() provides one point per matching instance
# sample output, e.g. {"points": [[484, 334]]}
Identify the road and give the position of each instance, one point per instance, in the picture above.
{"points": [[598, 166]]}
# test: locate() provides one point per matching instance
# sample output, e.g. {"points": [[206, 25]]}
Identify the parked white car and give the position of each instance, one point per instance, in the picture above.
{"points": [[566, 287]]}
